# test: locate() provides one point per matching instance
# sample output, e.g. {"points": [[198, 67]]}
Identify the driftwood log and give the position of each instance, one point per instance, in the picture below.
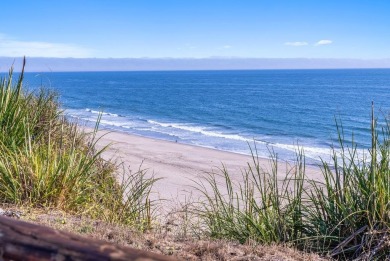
{"points": [[20, 240]]}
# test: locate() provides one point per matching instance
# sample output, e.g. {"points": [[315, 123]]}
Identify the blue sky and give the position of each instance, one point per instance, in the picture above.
{"points": [[196, 28]]}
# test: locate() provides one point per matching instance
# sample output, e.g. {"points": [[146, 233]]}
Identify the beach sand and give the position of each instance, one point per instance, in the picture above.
{"points": [[179, 165]]}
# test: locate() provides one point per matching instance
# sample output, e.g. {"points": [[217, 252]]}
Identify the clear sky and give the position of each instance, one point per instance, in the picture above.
{"points": [[196, 28]]}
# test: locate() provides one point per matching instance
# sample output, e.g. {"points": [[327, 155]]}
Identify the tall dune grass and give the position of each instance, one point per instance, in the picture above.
{"points": [[346, 215], [45, 160], [260, 207]]}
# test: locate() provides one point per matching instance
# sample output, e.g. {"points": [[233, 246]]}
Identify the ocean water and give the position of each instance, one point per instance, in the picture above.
{"points": [[272, 109]]}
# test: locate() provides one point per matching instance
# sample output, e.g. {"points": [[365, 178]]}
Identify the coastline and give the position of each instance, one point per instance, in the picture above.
{"points": [[179, 165]]}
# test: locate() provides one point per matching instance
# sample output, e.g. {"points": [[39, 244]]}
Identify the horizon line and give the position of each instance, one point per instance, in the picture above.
{"points": [[47, 64], [196, 58]]}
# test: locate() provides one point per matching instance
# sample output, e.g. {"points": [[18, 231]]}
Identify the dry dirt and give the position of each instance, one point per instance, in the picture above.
{"points": [[167, 238]]}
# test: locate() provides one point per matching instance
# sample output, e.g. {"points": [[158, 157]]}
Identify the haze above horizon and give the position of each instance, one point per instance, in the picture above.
{"points": [[196, 29]]}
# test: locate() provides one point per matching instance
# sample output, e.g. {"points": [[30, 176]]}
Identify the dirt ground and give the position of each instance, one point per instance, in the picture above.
{"points": [[167, 238]]}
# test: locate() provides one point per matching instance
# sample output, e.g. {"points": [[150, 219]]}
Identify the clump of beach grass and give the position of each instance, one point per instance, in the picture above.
{"points": [[48, 161], [349, 213], [344, 215], [260, 207]]}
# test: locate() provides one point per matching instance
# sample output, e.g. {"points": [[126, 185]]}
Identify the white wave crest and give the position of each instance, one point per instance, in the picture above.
{"points": [[103, 113], [200, 130], [116, 124]]}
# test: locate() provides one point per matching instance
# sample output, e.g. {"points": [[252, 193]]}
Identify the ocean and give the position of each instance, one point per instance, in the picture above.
{"points": [[274, 110]]}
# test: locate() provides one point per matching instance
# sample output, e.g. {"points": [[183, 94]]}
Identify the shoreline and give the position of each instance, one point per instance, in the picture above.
{"points": [[108, 129], [178, 164]]}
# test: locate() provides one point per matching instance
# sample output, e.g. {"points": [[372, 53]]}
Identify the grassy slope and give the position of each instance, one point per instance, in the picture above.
{"points": [[47, 161]]}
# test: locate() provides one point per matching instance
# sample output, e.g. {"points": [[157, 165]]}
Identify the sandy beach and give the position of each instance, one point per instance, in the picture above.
{"points": [[178, 164]]}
